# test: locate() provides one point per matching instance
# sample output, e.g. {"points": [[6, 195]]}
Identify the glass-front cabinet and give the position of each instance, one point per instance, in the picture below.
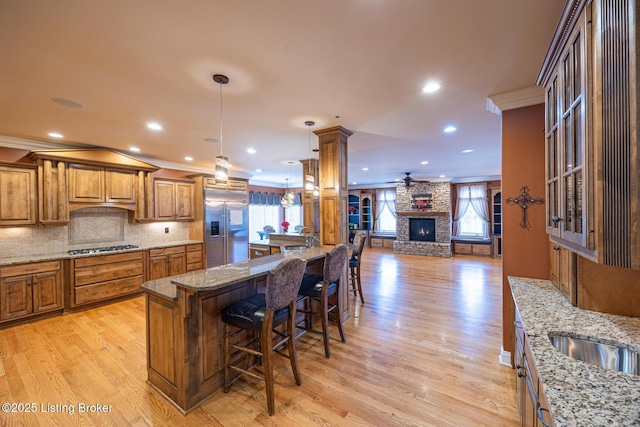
{"points": [[567, 109]]}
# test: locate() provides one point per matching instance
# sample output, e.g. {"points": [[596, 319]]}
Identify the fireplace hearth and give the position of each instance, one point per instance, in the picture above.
{"points": [[422, 229]]}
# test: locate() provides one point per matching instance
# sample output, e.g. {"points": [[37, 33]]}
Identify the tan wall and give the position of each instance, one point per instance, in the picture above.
{"points": [[524, 251]]}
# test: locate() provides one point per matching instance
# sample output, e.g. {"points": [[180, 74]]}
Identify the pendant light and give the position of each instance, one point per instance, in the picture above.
{"points": [[288, 198], [222, 162], [309, 181]]}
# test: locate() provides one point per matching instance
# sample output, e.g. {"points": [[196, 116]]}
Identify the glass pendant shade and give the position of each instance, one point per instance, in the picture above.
{"points": [[287, 200], [222, 168], [309, 183]]}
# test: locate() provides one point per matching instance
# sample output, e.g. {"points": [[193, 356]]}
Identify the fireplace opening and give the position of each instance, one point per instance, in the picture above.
{"points": [[422, 229]]}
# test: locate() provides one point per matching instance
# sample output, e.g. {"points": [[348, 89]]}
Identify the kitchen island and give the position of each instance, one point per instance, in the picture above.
{"points": [[184, 329]]}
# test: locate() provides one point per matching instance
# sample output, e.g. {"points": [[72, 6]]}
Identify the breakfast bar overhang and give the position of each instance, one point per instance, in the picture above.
{"points": [[184, 329]]}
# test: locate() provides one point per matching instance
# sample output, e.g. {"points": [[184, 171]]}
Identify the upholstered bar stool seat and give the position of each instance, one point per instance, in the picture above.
{"points": [[262, 313], [354, 264], [319, 288]]}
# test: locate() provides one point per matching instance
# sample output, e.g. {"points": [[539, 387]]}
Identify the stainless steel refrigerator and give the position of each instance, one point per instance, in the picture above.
{"points": [[226, 227]]}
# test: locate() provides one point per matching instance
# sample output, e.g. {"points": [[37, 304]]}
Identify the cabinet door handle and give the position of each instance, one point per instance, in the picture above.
{"points": [[518, 366], [259, 253], [556, 248], [556, 219], [541, 416], [520, 375]]}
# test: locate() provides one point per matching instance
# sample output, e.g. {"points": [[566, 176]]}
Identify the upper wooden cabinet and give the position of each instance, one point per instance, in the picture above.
{"points": [[75, 179], [593, 160], [568, 160], [173, 199], [18, 195], [92, 184]]}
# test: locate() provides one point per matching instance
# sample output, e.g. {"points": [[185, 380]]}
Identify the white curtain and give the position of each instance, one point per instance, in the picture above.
{"points": [[385, 214], [471, 196]]}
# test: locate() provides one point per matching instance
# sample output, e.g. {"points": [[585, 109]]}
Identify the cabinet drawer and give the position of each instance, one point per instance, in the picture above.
{"points": [[166, 251], [482, 250], [463, 248], [22, 269], [195, 266], [106, 259], [105, 272], [194, 257], [197, 247], [110, 289]]}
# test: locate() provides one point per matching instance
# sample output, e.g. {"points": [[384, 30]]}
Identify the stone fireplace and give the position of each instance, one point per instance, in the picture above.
{"points": [[438, 215]]}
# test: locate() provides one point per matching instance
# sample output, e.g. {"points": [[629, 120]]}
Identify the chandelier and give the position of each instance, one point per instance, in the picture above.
{"points": [[288, 198]]}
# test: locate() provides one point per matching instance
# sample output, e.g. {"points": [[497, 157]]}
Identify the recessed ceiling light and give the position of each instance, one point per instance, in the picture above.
{"points": [[365, 169], [188, 158], [354, 183], [431, 87], [134, 149], [67, 103], [258, 170], [466, 151], [55, 135], [424, 163], [154, 126], [450, 129], [251, 150], [441, 176]]}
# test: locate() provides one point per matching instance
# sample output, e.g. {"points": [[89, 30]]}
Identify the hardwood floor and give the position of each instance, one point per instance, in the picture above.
{"points": [[422, 351]]}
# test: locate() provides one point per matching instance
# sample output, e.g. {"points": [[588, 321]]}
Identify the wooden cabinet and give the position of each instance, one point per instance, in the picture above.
{"points": [[96, 279], [75, 179], [165, 262], [563, 271], [592, 160], [30, 289], [257, 251], [568, 159], [532, 403], [195, 257], [173, 200], [18, 195], [94, 184]]}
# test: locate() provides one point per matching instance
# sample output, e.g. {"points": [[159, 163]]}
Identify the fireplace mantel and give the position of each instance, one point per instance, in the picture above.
{"points": [[421, 213]]}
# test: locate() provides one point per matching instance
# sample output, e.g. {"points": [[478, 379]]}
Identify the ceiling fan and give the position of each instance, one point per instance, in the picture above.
{"points": [[408, 180]]}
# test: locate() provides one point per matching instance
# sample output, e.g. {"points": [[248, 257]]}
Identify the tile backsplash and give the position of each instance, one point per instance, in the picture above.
{"points": [[91, 227]]}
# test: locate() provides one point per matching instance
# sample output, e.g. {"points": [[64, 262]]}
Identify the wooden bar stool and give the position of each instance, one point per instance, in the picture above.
{"points": [[318, 288], [354, 264], [261, 313]]}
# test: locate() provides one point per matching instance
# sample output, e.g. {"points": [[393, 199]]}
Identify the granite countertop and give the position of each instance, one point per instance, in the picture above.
{"points": [[579, 394], [65, 255], [226, 275]]}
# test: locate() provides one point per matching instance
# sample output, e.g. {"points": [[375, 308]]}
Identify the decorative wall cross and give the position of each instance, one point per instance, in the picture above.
{"points": [[524, 200]]}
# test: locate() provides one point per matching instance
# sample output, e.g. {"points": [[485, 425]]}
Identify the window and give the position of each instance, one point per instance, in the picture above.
{"points": [[472, 211], [385, 222], [262, 215], [293, 216]]}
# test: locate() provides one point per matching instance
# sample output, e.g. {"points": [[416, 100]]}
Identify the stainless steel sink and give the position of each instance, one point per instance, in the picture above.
{"points": [[606, 355]]}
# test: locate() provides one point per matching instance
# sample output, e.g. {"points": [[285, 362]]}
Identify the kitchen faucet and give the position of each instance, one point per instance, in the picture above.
{"points": [[303, 229]]}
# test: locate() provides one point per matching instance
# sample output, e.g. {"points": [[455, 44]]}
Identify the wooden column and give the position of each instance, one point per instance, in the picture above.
{"points": [[310, 204], [334, 195]]}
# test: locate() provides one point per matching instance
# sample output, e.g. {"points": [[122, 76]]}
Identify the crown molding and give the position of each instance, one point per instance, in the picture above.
{"points": [[518, 98]]}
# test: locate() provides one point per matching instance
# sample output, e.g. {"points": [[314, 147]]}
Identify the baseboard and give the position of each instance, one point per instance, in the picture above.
{"points": [[505, 357]]}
